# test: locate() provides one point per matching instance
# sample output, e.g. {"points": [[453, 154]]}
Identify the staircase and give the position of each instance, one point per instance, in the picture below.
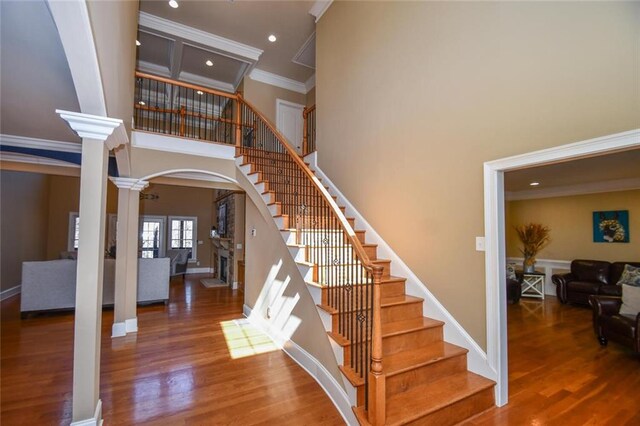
{"points": [[397, 367], [426, 378]]}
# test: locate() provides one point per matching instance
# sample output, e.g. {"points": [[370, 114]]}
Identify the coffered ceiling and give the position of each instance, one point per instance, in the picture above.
{"points": [[233, 35]]}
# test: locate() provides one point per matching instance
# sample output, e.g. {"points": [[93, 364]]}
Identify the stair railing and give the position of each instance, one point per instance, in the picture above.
{"points": [[309, 130], [350, 282]]}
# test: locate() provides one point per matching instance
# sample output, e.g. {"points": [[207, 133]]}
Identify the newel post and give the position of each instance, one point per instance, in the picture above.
{"points": [[238, 121], [305, 128], [377, 414]]}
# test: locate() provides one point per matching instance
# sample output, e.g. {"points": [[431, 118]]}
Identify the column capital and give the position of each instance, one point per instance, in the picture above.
{"points": [[109, 130], [129, 183]]}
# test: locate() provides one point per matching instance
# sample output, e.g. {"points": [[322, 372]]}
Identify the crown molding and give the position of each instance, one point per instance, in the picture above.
{"points": [[35, 143], [16, 157], [188, 77], [310, 83], [199, 36], [278, 81], [133, 184], [109, 130], [319, 8], [155, 69], [580, 189]]}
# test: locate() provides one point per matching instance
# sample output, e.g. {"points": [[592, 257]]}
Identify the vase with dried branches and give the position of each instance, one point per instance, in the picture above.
{"points": [[534, 237]]}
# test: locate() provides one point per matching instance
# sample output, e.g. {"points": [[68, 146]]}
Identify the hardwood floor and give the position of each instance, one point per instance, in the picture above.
{"points": [[560, 375], [177, 370]]}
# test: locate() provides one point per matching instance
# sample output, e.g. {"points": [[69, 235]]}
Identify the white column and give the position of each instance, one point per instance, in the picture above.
{"points": [[99, 134], [124, 317]]}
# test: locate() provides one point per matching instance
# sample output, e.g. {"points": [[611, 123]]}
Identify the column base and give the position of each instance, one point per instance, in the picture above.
{"points": [[119, 329], [131, 325], [96, 420]]}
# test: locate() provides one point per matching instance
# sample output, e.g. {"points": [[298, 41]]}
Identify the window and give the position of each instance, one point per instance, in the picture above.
{"points": [[152, 236], [74, 231], [183, 233]]}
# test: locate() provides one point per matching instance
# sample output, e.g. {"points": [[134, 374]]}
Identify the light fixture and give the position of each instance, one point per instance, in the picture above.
{"points": [[200, 92], [534, 183], [138, 43], [173, 4], [141, 103], [209, 63], [272, 38]]}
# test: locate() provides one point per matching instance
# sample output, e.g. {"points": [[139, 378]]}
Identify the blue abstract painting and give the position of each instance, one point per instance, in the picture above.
{"points": [[611, 226]]}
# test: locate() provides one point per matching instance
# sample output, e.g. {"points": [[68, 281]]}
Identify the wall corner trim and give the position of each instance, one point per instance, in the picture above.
{"points": [[311, 365]]}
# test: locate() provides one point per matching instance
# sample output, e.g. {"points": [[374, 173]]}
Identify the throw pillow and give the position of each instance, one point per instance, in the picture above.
{"points": [[511, 271], [630, 276], [630, 300]]}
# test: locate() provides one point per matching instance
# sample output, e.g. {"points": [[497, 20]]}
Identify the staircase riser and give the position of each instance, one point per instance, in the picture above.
{"points": [[395, 288], [419, 376], [412, 340], [401, 312], [458, 411]]}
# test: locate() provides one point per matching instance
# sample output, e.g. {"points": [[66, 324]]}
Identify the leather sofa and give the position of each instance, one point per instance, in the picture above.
{"points": [[589, 277], [514, 290], [609, 324]]}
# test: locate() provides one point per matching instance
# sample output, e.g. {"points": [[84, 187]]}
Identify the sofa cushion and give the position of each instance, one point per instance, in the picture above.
{"points": [[590, 270], [589, 287], [611, 290], [630, 276], [620, 324], [630, 300]]}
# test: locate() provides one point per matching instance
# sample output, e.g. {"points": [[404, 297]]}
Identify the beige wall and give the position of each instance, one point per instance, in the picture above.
{"points": [[571, 223], [64, 198], [263, 96], [23, 232], [409, 112]]}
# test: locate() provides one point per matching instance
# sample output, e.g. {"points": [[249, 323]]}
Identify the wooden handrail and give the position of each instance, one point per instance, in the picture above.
{"points": [[186, 85], [335, 210]]}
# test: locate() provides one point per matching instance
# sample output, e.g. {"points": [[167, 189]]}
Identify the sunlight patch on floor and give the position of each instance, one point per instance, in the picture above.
{"points": [[243, 339]]}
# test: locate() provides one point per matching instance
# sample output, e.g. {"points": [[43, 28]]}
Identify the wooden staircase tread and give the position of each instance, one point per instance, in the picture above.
{"points": [[353, 377], [384, 302], [422, 400], [414, 358], [406, 326]]}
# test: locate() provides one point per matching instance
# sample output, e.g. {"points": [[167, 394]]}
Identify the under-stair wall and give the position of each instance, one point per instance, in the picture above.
{"points": [[277, 300]]}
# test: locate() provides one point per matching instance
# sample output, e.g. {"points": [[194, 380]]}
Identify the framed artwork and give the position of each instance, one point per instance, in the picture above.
{"points": [[611, 226], [222, 219]]}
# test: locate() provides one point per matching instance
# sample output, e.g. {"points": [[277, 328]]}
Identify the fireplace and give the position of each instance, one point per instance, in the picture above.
{"points": [[223, 268]]}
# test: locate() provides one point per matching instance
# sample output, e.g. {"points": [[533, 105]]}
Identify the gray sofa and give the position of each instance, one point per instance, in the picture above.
{"points": [[51, 285]]}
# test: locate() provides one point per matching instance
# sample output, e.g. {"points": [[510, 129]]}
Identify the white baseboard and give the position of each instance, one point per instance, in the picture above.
{"points": [[118, 329], [311, 365], [10, 292], [549, 266], [199, 270], [131, 325], [96, 420], [453, 332]]}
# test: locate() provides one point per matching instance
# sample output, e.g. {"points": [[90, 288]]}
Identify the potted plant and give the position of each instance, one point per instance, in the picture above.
{"points": [[534, 237]]}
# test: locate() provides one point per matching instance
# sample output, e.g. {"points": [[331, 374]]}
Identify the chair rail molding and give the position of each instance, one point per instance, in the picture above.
{"points": [[494, 225], [549, 266]]}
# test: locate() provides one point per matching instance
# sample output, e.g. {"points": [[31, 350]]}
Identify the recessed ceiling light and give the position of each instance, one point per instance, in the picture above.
{"points": [[272, 38], [138, 43], [534, 183], [141, 103], [209, 63], [173, 4], [200, 92]]}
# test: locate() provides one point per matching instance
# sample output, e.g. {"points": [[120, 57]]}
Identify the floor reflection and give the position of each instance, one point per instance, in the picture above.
{"points": [[243, 339]]}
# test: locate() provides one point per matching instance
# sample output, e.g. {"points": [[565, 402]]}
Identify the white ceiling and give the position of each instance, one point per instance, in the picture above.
{"points": [[616, 171], [245, 22], [35, 77]]}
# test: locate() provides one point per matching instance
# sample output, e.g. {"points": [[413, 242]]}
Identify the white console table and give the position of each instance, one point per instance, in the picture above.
{"points": [[533, 285]]}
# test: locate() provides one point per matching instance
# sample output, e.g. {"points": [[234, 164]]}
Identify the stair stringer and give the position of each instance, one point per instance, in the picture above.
{"points": [[477, 360], [340, 392]]}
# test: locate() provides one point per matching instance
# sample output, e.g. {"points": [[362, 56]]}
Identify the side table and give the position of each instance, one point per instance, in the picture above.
{"points": [[533, 285]]}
